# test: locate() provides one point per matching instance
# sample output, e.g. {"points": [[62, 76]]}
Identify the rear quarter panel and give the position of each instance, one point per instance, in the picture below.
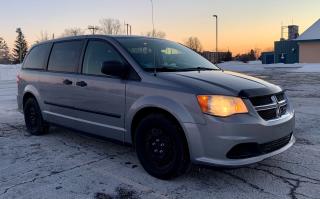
{"points": [[29, 84]]}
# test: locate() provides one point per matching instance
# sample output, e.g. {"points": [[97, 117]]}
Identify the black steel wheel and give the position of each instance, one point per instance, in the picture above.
{"points": [[33, 118], [161, 146]]}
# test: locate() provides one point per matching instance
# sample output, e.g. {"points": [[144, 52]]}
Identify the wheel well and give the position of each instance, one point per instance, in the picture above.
{"points": [[26, 97], [151, 110]]}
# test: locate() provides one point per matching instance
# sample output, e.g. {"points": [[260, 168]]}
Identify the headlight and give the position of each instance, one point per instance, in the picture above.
{"points": [[221, 106]]}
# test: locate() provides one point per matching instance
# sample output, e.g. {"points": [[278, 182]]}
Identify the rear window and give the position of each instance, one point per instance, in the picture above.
{"points": [[37, 57], [65, 56]]}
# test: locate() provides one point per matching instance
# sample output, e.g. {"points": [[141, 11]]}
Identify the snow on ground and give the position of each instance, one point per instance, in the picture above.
{"points": [[258, 66], [9, 72]]}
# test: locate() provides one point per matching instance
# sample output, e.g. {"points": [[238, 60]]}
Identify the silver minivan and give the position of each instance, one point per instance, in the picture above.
{"points": [[171, 104]]}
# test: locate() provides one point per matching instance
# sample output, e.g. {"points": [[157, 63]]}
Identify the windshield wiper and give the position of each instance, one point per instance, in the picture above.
{"points": [[199, 69], [163, 69], [172, 69]]}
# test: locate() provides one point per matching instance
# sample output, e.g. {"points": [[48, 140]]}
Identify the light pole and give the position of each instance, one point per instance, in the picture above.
{"points": [[216, 16], [152, 18]]}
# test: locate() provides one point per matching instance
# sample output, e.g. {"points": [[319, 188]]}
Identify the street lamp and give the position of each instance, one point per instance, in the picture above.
{"points": [[216, 16]]}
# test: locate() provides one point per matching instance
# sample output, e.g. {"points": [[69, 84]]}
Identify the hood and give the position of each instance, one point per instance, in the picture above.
{"points": [[222, 82]]}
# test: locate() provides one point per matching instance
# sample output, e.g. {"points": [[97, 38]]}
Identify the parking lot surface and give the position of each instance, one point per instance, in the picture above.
{"points": [[69, 164]]}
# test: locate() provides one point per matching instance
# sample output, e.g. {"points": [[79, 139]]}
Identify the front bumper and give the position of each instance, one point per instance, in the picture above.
{"points": [[245, 161], [209, 144]]}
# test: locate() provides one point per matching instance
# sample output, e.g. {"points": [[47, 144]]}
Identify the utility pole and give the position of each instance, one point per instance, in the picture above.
{"points": [[127, 28], [216, 16], [20, 53], [93, 29]]}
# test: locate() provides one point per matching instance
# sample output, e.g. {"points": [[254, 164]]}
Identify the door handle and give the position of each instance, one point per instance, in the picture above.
{"points": [[81, 84], [67, 82]]}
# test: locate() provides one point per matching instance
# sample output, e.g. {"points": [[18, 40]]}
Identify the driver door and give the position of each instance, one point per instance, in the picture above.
{"points": [[100, 98]]}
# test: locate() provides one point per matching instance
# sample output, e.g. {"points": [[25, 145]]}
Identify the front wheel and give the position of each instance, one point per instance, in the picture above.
{"points": [[161, 147], [33, 118]]}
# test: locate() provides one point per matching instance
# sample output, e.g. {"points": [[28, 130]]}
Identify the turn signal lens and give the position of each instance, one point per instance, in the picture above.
{"points": [[221, 106]]}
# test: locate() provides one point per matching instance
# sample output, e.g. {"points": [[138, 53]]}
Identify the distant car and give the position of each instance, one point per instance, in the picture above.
{"points": [[173, 105]]}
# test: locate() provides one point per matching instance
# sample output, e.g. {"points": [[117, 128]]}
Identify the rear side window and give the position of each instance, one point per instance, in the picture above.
{"points": [[98, 52], [38, 57], [65, 56]]}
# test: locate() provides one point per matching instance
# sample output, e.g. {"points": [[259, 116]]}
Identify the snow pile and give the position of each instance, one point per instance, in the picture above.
{"points": [[257, 66], [9, 72], [255, 62]]}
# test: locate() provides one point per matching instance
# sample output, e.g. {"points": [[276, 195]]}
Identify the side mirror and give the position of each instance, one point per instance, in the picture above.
{"points": [[115, 68]]}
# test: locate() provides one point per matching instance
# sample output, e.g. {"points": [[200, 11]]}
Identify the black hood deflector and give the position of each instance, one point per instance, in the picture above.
{"points": [[259, 92]]}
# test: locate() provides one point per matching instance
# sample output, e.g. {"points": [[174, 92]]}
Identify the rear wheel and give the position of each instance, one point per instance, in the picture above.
{"points": [[161, 147], [33, 118]]}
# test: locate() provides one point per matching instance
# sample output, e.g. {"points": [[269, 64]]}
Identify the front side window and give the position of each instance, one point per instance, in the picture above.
{"points": [[65, 56], [37, 57], [164, 55], [98, 52]]}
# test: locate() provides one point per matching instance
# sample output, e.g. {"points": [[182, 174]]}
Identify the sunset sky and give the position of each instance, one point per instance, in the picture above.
{"points": [[244, 24]]}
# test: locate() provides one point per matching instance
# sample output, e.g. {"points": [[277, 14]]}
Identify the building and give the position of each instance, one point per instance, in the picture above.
{"points": [[293, 32], [286, 51], [267, 57], [309, 44], [217, 57]]}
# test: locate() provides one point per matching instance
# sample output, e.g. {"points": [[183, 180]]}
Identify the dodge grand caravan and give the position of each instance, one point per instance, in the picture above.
{"points": [[171, 104]]}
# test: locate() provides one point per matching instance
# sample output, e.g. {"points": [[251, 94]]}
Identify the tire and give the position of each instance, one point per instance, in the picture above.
{"points": [[161, 147], [33, 118]]}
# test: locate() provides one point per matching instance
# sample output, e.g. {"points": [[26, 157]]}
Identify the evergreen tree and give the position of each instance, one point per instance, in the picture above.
{"points": [[252, 55], [4, 52], [20, 47]]}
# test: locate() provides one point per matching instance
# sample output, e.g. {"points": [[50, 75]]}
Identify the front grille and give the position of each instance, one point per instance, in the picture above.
{"points": [[280, 96], [283, 110], [271, 106], [268, 114], [258, 101], [249, 150]]}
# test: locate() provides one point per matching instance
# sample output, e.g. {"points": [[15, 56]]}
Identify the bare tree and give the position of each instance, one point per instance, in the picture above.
{"points": [[44, 36], [72, 32], [110, 26], [257, 52], [194, 43], [155, 33]]}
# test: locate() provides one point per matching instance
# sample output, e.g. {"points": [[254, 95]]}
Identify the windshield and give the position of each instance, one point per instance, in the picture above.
{"points": [[164, 55]]}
